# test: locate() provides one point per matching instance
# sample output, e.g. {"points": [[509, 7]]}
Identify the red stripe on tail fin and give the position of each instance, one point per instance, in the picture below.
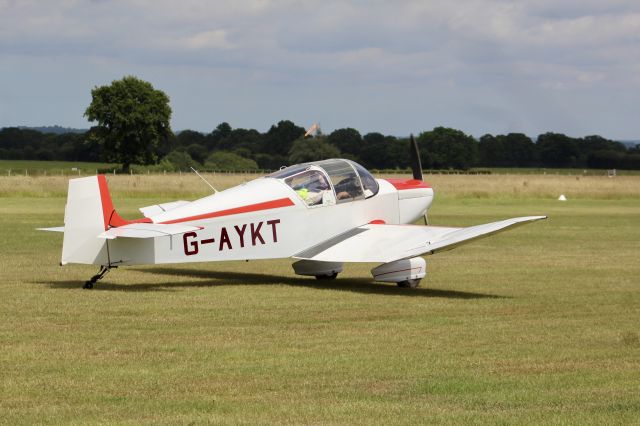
{"points": [[111, 217]]}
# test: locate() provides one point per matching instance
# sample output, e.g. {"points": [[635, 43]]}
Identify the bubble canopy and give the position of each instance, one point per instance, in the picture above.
{"points": [[349, 180]]}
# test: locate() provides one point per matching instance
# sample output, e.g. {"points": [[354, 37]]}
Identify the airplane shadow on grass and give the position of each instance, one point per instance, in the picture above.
{"points": [[204, 278]]}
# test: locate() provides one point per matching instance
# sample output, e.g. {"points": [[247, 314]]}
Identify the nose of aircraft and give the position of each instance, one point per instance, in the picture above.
{"points": [[414, 198]]}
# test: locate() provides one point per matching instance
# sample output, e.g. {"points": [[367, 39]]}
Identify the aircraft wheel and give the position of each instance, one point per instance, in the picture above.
{"points": [[327, 277], [88, 285], [410, 283]]}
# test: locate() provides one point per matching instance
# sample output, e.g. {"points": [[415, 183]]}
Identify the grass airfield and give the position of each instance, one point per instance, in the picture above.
{"points": [[538, 325]]}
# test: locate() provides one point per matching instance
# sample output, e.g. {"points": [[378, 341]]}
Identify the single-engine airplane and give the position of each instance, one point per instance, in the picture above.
{"points": [[322, 214]]}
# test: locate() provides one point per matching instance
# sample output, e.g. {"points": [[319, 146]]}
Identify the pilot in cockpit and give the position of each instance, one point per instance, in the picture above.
{"points": [[310, 186]]}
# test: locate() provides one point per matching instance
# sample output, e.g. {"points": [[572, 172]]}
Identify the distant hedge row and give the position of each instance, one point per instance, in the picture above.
{"points": [[441, 148]]}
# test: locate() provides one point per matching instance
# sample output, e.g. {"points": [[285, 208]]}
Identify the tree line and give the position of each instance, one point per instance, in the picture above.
{"points": [[284, 143], [132, 127]]}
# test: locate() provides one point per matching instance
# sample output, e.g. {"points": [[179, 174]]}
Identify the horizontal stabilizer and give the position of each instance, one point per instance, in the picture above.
{"points": [[55, 229], [147, 230], [388, 243], [150, 211]]}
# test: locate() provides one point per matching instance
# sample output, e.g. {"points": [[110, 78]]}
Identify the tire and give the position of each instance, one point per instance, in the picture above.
{"points": [[415, 283], [327, 277]]}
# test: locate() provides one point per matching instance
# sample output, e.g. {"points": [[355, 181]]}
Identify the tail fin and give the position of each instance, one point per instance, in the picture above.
{"points": [[88, 213]]}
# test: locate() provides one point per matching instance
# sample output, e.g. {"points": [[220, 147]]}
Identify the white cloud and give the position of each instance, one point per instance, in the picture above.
{"points": [[455, 53], [214, 39]]}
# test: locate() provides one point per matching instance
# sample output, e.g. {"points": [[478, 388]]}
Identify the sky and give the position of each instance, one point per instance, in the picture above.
{"points": [[395, 67]]}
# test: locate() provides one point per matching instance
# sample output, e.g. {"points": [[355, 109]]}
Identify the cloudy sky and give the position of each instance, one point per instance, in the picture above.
{"points": [[483, 66]]}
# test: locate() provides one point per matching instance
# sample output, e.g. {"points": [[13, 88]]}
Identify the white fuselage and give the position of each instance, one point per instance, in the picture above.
{"points": [[265, 219]]}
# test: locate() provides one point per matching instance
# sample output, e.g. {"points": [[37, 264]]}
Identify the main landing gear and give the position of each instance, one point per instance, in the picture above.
{"points": [[415, 283], [327, 276], [103, 271], [405, 273]]}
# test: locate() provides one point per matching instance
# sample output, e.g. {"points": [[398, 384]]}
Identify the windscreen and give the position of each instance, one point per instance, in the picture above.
{"points": [[344, 179], [369, 183]]}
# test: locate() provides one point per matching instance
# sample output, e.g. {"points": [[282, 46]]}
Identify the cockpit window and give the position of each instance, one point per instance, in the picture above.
{"points": [[344, 178], [310, 185], [350, 181], [369, 183], [289, 171]]}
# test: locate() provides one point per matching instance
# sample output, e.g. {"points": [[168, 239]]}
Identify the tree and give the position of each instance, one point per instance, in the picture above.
{"points": [[190, 137], [312, 149], [178, 160], [222, 131], [279, 138], [377, 149], [197, 152], [348, 141], [558, 150], [133, 119], [520, 150], [444, 148], [229, 161], [491, 151]]}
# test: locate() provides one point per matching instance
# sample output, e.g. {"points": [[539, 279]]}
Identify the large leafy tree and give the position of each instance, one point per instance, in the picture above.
{"points": [[133, 120]]}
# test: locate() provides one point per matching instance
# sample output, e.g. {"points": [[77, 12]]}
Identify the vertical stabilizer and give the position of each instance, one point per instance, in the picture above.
{"points": [[84, 220]]}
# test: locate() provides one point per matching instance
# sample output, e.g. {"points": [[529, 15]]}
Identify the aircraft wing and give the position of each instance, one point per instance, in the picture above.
{"points": [[147, 230], [387, 243]]}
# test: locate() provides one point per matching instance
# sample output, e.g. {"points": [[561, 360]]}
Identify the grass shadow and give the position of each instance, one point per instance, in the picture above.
{"points": [[205, 278]]}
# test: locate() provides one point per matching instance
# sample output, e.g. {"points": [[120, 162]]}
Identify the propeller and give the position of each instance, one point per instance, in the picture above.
{"points": [[414, 158], [416, 165]]}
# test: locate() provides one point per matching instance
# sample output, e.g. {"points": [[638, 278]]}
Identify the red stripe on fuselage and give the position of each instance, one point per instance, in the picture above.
{"points": [[401, 184], [267, 205]]}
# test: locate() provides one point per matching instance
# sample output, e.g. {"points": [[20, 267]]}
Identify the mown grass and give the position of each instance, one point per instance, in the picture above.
{"points": [[535, 326]]}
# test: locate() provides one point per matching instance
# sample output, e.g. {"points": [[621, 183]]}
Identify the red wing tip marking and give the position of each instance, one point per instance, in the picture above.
{"points": [[401, 184], [377, 222]]}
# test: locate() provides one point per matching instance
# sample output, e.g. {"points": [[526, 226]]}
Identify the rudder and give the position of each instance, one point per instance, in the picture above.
{"points": [[84, 219]]}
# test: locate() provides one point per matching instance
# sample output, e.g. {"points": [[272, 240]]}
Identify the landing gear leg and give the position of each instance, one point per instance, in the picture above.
{"points": [[103, 271]]}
